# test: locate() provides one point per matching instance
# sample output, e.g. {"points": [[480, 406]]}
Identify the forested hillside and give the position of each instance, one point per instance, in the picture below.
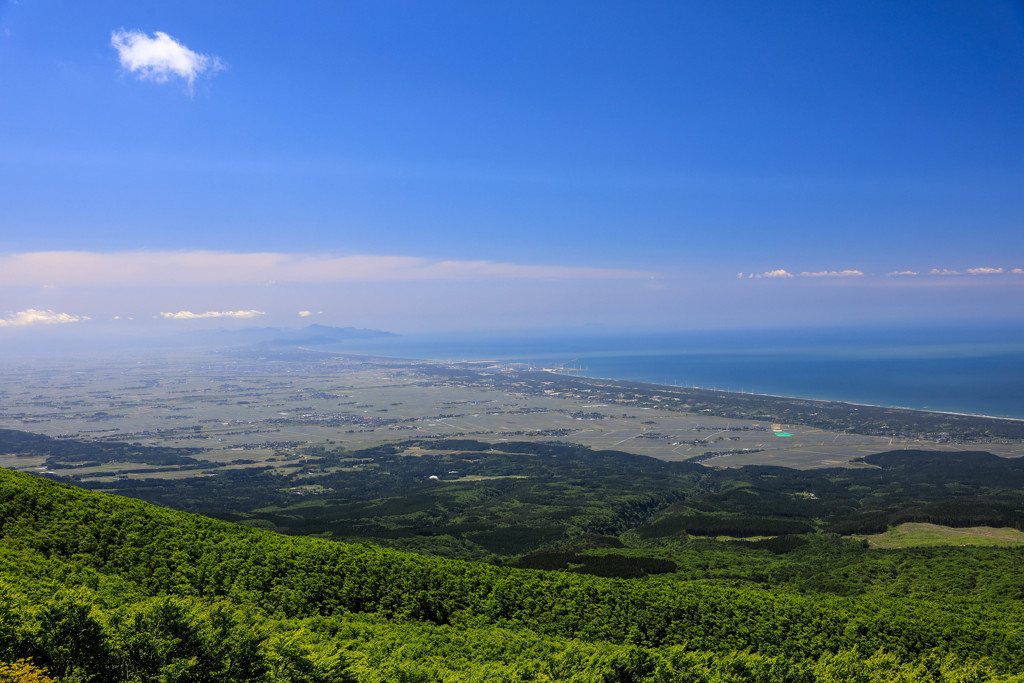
{"points": [[97, 587], [608, 513]]}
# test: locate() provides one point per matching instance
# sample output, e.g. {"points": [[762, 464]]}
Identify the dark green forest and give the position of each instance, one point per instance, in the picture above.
{"points": [[558, 506], [99, 587], [532, 562]]}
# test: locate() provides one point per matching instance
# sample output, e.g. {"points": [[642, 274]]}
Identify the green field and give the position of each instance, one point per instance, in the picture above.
{"points": [[922, 535]]}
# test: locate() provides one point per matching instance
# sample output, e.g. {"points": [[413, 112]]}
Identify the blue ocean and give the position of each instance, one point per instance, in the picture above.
{"points": [[969, 370]]}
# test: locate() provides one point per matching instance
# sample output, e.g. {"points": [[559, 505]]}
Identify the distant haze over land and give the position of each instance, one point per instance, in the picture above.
{"points": [[968, 368], [316, 335], [86, 341]]}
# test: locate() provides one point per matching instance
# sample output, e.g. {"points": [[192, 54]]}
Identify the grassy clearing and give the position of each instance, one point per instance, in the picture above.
{"points": [[918, 534]]}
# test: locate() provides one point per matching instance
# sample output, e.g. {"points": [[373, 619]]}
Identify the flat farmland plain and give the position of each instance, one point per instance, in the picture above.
{"points": [[256, 411]]}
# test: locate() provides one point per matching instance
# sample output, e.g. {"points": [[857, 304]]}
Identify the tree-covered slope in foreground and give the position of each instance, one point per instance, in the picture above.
{"points": [[97, 587]]}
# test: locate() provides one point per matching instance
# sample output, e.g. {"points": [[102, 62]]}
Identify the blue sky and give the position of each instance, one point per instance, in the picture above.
{"points": [[463, 165]]}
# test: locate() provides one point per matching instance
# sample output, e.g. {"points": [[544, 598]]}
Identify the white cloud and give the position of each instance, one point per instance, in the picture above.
{"points": [[778, 273], [1018, 271], [189, 315], [32, 316], [161, 57], [943, 271], [203, 268], [897, 273], [305, 314], [833, 273], [984, 271]]}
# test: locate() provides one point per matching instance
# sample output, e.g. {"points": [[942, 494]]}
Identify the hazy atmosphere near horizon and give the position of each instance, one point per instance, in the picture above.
{"points": [[418, 166]]}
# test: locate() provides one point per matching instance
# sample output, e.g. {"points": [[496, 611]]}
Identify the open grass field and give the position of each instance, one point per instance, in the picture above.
{"points": [[920, 535]]}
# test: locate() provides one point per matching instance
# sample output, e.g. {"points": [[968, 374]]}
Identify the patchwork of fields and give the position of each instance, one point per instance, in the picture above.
{"points": [[246, 412]]}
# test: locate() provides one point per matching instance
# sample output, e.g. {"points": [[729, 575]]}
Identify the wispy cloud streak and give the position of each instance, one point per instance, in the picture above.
{"points": [[778, 273], [833, 273], [932, 275], [189, 315]]}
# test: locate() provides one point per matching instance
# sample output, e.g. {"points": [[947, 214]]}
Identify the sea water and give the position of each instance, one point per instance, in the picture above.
{"points": [[970, 370]]}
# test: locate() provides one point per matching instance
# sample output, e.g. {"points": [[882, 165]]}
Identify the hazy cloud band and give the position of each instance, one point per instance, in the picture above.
{"points": [[188, 268]]}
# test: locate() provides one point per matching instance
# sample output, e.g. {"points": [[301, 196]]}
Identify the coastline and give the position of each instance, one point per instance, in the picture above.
{"points": [[916, 383], [676, 387]]}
